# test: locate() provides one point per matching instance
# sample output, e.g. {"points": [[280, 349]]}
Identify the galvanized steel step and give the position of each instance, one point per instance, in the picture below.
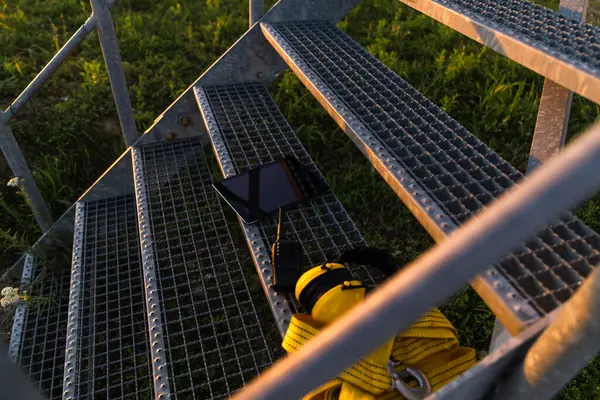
{"points": [[443, 173], [554, 45], [207, 336], [107, 351], [39, 331], [248, 130]]}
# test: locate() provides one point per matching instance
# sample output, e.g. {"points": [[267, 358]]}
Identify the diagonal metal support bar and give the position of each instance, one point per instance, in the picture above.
{"points": [[49, 69], [555, 104], [18, 165], [112, 59], [439, 273]]}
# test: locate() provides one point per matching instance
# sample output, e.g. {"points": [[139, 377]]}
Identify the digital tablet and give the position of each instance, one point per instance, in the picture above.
{"points": [[261, 191]]}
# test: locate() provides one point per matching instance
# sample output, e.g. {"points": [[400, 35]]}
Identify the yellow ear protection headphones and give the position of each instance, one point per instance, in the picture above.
{"points": [[329, 290]]}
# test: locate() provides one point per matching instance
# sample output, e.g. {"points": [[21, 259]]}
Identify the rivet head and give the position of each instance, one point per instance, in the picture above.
{"points": [[185, 121], [170, 136], [260, 75]]}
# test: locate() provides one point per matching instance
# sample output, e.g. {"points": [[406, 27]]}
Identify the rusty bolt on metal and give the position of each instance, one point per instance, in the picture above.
{"points": [[185, 121], [170, 136]]}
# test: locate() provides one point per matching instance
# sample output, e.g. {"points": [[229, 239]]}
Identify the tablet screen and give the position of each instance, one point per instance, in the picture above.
{"points": [[259, 192]]}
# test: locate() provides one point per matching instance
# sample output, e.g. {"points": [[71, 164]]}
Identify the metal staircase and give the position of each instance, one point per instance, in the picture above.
{"points": [[163, 302]]}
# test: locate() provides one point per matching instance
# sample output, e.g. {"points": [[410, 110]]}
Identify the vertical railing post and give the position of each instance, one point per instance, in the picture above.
{"points": [[555, 105], [257, 9], [18, 165], [112, 59]]}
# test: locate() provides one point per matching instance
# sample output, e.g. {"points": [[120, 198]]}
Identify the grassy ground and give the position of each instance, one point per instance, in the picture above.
{"points": [[70, 134]]}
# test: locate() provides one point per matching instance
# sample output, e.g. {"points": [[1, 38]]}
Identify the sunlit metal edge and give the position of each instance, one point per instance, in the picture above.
{"points": [[510, 306], [573, 77], [160, 372], [72, 340]]}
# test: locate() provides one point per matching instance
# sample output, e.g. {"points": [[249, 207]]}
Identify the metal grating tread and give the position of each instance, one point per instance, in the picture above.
{"points": [[112, 352], [444, 173], [562, 37], [553, 44], [213, 335], [39, 345], [247, 130]]}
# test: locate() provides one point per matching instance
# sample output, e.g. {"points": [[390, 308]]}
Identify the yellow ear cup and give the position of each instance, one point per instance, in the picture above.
{"points": [[337, 301], [328, 291], [313, 273]]}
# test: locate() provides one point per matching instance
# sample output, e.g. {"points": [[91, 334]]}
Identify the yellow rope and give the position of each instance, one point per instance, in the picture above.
{"points": [[429, 344]]}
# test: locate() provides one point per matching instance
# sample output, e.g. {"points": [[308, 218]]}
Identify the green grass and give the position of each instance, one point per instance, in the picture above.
{"points": [[70, 134]]}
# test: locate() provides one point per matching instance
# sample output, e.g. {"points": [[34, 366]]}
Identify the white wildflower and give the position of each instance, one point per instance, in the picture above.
{"points": [[9, 292], [10, 296], [9, 301], [14, 182]]}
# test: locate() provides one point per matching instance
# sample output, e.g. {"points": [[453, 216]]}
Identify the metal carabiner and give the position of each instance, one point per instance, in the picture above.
{"points": [[417, 393]]}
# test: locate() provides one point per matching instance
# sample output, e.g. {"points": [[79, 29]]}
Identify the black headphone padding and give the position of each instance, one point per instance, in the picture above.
{"points": [[316, 288], [373, 257]]}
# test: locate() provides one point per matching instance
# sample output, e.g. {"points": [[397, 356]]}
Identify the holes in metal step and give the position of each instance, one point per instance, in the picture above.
{"points": [[470, 204], [442, 195], [512, 267], [546, 302], [484, 198], [571, 276]]}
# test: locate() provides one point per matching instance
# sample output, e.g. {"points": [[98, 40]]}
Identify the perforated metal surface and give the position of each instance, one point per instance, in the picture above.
{"points": [[553, 45], [546, 29], [113, 344], [214, 341], [16, 334], [41, 353], [414, 140], [248, 130]]}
